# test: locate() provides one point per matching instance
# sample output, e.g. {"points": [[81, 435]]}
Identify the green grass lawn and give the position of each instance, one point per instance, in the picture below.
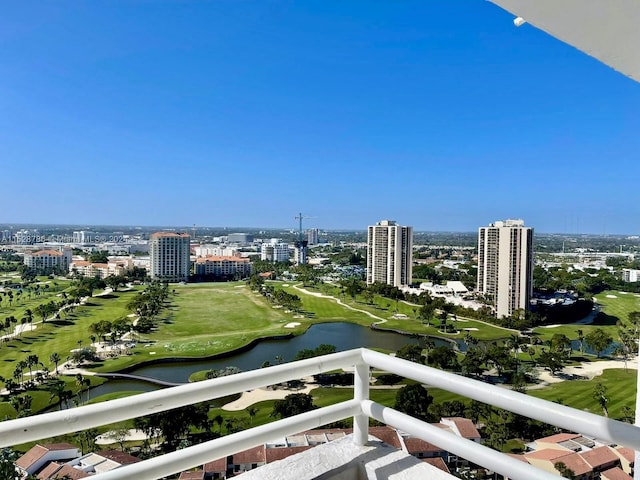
{"points": [[210, 318], [612, 310], [618, 307], [23, 302], [62, 336], [621, 392], [325, 309]]}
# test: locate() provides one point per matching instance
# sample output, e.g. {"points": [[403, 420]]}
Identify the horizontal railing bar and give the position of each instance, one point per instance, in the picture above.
{"points": [[189, 457], [28, 429], [526, 405], [467, 449]]}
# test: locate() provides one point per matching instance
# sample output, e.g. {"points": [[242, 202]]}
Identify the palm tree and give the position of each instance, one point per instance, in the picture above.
{"points": [[428, 345], [32, 360], [581, 340], [56, 389], [513, 342], [219, 420], [252, 413], [55, 359]]}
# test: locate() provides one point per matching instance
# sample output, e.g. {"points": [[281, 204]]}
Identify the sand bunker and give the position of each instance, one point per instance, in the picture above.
{"points": [[261, 394], [471, 329], [611, 296], [292, 325]]}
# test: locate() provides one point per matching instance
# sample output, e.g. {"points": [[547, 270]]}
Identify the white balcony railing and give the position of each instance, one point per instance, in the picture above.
{"points": [[33, 428]]}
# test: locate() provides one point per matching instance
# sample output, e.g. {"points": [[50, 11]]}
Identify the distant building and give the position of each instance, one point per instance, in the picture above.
{"points": [[25, 237], [83, 236], [389, 253], [217, 250], [49, 261], [274, 251], [239, 238], [219, 266], [312, 236], [505, 265], [102, 270], [300, 252], [630, 275], [170, 256]]}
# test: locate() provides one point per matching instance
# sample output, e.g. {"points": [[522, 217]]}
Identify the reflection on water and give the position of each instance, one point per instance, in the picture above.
{"points": [[345, 336]]}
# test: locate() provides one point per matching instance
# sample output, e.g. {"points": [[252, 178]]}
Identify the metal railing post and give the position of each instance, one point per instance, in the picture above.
{"points": [[361, 393]]}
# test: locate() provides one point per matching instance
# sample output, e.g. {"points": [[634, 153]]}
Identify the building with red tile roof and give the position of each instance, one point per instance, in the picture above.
{"points": [[421, 449], [615, 474], [49, 471], [463, 427], [248, 459], [216, 469], [45, 261], [601, 458], [282, 448], [67, 471], [437, 462], [387, 435], [279, 453], [196, 475], [575, 463], [40, 455], [627, 458], [221, 266], [118, 456]]}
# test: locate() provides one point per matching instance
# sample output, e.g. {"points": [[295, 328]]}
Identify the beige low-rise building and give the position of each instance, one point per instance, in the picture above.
{"points": [[223, 266], [48, 260]]}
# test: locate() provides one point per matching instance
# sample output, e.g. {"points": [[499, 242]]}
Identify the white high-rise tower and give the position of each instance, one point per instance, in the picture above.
{"points": [[505, 265], [389, 253], [170, 256]]}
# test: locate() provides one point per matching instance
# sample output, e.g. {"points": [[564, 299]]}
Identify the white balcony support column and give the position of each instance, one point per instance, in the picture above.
{"points": [[29, 429], [543, 410], [200, 454], [472, 451], [636, 472], [361, 392]]}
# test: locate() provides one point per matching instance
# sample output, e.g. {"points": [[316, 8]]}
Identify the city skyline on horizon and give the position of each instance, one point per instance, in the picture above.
{"points": [[441, 115], [291, 229]]}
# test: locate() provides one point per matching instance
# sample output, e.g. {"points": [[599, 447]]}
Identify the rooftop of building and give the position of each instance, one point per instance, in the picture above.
{"points": [[169, 235], [222, 258]]}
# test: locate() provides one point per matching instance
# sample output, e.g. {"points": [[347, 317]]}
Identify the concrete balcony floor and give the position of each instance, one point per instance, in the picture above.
{"points": [[344, 460]]}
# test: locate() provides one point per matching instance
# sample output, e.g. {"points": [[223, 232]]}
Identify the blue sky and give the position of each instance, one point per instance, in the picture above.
{"points": [[439, 114]]}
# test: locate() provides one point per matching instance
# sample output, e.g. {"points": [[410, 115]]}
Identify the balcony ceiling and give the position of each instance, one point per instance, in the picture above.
{"points": [[605, 29]]}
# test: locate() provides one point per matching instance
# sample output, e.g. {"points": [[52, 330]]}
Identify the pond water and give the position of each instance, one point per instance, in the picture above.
{"points": [[345, 336]]}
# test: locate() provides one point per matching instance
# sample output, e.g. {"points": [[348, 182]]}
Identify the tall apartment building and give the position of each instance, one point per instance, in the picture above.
{"points": [[300, 252], [312, 236], [505, 265], [630, 275], [389, 253], [83, 236], [274, 251], [170, 256]]}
